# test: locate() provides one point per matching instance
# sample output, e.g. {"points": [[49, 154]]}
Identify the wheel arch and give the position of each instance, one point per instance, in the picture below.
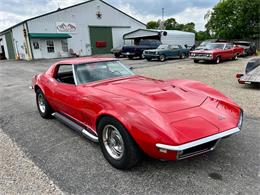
{"points": [[36, 87], [118, 118]]}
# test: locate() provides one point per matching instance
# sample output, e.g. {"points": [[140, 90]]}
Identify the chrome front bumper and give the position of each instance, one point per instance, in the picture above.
{"points": [[201, 57], [209, 142]]}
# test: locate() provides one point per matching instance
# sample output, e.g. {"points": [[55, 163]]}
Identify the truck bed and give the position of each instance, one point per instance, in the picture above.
{"points": [[252, 76]]}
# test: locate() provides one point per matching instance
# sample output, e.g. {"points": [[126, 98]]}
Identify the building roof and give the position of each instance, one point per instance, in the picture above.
{"points": [[58, 10], [153, 32]]}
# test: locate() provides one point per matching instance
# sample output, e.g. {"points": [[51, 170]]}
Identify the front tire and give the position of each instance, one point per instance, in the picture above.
{"points": [[117, 146], [217, 60], [117, 55], [42, 105], [196, 61]]}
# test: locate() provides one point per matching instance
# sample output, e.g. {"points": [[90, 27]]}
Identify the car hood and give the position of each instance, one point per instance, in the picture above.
{"points": [[154, 50], [157, 94], [206, 50]]}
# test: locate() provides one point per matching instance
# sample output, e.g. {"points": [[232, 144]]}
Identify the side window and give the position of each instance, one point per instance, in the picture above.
{"points": [[228, 46], [65, 74], [174, 47], [64, 45], [50, 46], [36, 45]]}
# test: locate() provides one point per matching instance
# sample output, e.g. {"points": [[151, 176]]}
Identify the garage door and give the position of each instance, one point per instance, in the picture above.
{"points": [[9, 43], [101, 39]]}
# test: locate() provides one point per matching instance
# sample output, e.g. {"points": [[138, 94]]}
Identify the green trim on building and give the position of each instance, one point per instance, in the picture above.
{"points": [[49, 35]]}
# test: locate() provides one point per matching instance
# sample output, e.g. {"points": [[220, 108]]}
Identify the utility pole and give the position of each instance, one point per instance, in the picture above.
{"points": [[163, 14], [161, 25]]}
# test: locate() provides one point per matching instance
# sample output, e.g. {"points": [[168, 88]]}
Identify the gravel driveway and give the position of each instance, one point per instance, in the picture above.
{"points": [[44, 156]]}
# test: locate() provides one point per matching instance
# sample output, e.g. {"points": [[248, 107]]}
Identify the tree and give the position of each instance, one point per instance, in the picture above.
{"points": [[170, 24], [234, 19], [152, 25], [202, 35], [189, 27]]}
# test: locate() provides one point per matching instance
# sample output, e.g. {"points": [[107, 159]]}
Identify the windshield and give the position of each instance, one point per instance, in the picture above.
{"points": [[215, 46], [96, 71], [163, 47]]}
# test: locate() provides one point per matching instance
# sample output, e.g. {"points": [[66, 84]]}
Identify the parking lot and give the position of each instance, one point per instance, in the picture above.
{"points": [[77, 166]]}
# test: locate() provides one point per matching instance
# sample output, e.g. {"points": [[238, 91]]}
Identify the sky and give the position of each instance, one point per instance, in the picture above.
{"points": [[184, 11]]}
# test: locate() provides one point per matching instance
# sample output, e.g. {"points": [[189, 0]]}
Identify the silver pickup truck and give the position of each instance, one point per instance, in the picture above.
{"points": [[251, 74]]}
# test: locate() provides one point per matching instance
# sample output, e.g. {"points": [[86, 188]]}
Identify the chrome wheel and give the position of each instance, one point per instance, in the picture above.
{"points": [[41, 103], [218, 60], [113, 142]]}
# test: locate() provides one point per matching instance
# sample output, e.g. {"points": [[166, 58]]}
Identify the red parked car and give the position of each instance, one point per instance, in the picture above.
{"points": [[217, 52], [130, 114]]}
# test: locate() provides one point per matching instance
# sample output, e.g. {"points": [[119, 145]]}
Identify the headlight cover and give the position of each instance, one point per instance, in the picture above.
{"points": [[240, 122]]}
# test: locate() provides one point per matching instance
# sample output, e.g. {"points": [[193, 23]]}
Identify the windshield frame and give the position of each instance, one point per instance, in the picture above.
{"points": [[77, 83]]}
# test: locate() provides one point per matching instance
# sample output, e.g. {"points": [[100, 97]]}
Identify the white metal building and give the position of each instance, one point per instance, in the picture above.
{"points": [[170, 37], [92, 27]]}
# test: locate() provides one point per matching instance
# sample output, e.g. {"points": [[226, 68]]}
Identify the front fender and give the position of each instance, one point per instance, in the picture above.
{"points": [[145, 131]]}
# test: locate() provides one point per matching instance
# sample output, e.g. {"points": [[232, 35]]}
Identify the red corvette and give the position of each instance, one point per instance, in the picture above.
{"points": [[130, 114]]}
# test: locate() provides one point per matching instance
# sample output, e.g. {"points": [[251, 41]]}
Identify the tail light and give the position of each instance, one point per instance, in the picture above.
{"points": [[239, 75]]}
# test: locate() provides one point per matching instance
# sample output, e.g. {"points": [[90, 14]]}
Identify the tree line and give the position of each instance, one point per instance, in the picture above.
{"points": [[229, 19]]}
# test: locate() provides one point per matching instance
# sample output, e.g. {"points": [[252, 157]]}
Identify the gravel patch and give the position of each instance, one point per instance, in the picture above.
{"points": [[18, 174]]}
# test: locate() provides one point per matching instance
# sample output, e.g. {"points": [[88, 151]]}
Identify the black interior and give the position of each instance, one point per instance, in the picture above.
{"points": [[65, 77]]}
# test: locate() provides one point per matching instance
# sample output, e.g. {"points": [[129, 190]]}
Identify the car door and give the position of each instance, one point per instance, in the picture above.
{"points": [[65, 95], [228, 51], [175, 52]]}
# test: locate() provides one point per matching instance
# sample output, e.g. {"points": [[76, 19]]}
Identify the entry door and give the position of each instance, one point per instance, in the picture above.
{"points": [[37, 49], [101, 40]]}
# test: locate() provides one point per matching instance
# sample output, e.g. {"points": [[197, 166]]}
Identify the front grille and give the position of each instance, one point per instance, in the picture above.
{"points": [[201, 55], [197, 149]]}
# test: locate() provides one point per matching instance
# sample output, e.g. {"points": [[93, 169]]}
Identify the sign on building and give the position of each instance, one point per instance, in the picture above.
{"points": [[66, 27]]}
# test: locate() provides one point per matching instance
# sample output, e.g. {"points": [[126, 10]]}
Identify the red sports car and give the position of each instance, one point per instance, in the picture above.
{"points": [[130, 115], [216, 52]]}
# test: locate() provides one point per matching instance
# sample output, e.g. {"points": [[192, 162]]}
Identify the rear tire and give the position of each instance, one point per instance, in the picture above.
{"points": [[42, 105], [117, 146], [182, 56], [235, 57], [162, 58]]}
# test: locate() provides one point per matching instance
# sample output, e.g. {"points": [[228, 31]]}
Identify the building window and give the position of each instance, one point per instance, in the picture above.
{"points": [[35, 45], [64, 44], [50, 47]]}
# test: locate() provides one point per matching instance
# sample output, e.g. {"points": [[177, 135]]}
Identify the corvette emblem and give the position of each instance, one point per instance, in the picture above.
{"points": [[221, 118]]}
